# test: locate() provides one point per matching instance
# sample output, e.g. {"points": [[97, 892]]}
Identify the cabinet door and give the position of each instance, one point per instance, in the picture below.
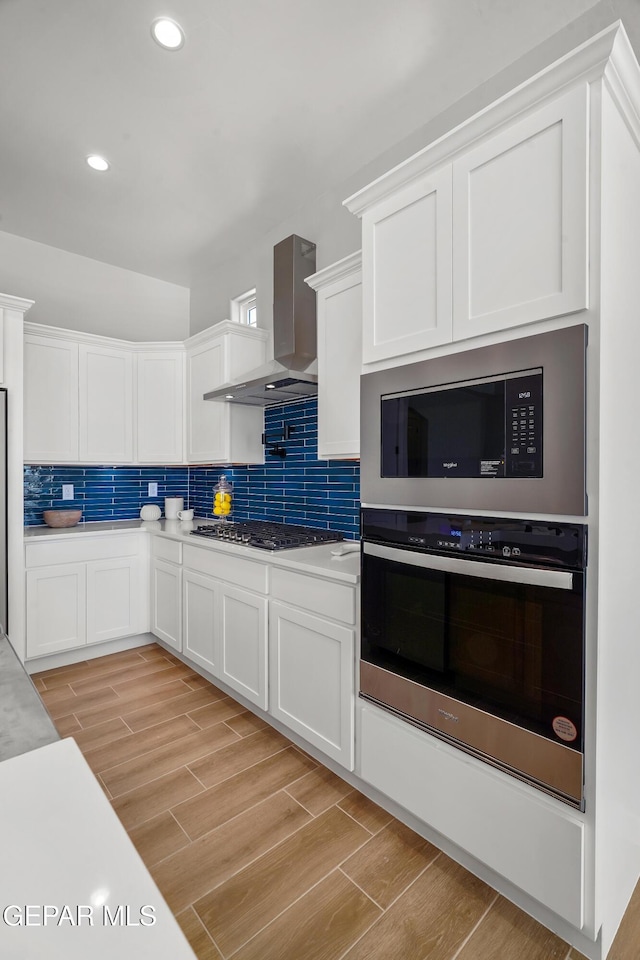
{"points": [[159, 431], [50, 400], [243, 636], [113, 599], [406, 269], [520, 221], [200, 628], [208, 421], [166, 602], [339, 292], [106, 405], [56, 608], [311, 674]]}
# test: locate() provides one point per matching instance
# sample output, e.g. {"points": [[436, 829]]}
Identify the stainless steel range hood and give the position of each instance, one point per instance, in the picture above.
{"points": [[287, 376]]}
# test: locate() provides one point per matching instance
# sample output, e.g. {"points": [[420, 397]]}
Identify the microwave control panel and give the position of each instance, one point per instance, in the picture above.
{"points": [[523, 433]]}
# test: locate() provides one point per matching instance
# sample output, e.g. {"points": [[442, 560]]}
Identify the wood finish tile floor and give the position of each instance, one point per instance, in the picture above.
{"points": [[261, 852]]}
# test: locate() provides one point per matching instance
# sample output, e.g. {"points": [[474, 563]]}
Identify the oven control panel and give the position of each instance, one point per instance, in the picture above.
{"points": [[541, 542]]}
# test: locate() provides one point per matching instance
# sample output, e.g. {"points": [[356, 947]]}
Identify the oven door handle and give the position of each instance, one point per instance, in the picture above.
{"points": [[559, 579]]}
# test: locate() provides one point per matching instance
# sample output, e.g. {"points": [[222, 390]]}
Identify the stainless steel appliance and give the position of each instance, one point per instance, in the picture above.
{"points": [[266, 535], [473, 628], [495, 428]]}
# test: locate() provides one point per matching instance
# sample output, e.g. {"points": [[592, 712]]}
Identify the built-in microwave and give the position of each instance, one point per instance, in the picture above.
{"points": [[500, 427]]}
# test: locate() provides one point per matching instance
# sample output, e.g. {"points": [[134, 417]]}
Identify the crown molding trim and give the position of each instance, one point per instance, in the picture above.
{"points": [[346, 267], [585, 64]]}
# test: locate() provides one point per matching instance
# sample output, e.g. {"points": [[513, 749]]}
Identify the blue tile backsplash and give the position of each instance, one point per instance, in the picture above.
{"points": [[297, 489], [102, 493]]}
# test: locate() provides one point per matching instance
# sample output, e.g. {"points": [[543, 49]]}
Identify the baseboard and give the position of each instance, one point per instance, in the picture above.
{"points": [[80, 654]]}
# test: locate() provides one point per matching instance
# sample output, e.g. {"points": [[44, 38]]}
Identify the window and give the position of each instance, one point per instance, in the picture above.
{"points": [[244, 309]]}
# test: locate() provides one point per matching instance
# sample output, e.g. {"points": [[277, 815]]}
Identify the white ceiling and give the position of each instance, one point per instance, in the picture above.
{"points": [[267, 104]]}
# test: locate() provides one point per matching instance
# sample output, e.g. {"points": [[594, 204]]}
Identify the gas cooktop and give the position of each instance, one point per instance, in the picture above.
{"points": [[268, 536]]}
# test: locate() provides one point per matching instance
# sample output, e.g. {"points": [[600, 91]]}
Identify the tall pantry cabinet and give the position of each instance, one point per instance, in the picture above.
{"points": [[523, 219]]}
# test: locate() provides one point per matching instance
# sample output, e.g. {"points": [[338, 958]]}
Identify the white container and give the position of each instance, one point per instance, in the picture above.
{"points": [[185, 515], [150, 511], [172, 506]]}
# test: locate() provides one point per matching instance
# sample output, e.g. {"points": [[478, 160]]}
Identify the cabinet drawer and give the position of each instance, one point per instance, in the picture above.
{"points": [[78, 549], [245, 573], [336, 600], [525, 839], [166, 549]]}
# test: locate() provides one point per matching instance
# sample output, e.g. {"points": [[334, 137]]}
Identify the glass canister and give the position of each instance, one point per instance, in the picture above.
{"points": [[222, 498]]}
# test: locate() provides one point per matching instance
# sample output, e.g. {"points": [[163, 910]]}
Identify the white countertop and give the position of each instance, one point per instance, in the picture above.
{"points": [[63, 845], [316, 560], [86, 529]]}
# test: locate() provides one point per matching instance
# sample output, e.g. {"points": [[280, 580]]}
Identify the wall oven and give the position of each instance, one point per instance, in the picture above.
{"points": [[473, 629], [495, 428]]}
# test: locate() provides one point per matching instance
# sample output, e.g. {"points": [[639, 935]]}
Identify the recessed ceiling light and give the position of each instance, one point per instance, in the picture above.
{"points": [[270, 386], [167, 33], [98, 163]]}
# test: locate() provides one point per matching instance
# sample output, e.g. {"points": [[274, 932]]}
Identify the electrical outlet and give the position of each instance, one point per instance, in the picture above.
{"points": [[153, 489], [67, 491]]}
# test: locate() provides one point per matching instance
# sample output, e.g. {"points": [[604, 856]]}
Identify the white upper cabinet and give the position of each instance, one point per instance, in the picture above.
{"points": [[219, 432], [50, 400], [106, 404], [208, 424], [92, 399], [339, 293], [520, 221], [160, 407], [483, 230], [406, 265]]}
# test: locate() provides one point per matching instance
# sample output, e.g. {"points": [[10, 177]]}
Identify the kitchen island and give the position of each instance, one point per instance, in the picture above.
{"points": [[72, 884]]}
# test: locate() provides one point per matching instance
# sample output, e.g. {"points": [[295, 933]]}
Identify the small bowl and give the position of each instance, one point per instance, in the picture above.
{"points": [[61, 518]]}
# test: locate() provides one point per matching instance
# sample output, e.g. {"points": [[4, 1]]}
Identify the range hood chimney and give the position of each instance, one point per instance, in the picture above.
{"points": [[286, 377]]}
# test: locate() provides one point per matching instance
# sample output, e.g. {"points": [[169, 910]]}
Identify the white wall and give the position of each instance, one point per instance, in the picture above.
{"points": [[82, 294], [325, 221]]}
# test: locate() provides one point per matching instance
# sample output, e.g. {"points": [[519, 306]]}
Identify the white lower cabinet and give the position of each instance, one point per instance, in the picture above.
{"points": [[113, 609], [56, 608], [311, 667], [166, 602], [225, 625], [83, 591], [199, 620], [243, 639]]}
